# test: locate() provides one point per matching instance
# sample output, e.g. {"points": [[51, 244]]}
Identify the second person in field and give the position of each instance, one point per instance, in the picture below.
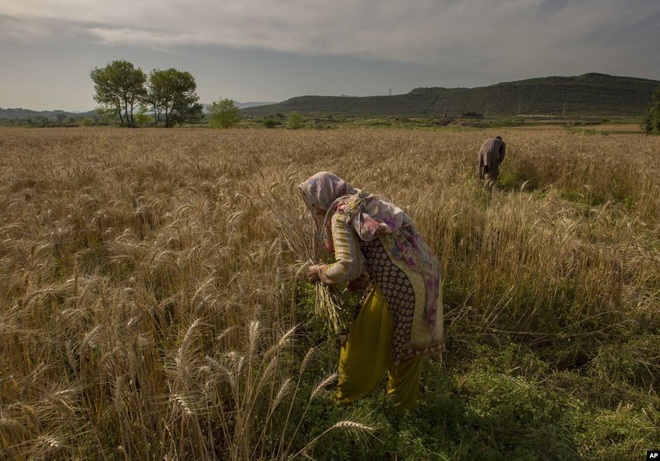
{"points": [[491, 155]]}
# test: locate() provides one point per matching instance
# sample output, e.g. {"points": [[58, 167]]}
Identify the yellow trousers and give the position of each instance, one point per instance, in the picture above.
{"points": [[367, 356]]}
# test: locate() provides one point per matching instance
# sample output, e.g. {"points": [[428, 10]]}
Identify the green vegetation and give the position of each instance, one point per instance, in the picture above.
{"points": [[223, 114], [271, 122], [295, 121], [119, 86], [124, 91], [651, 123], [172, 98]]}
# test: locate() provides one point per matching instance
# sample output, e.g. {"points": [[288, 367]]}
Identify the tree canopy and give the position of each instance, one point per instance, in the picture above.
{"points": [[126, 93], [119, 86], [172, 96]]}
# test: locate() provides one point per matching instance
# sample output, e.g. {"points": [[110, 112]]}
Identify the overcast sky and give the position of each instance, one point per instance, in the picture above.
{"points": [[260, 50]]}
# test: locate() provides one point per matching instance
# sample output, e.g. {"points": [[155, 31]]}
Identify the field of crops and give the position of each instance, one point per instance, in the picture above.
{"points": [[151, 303]]}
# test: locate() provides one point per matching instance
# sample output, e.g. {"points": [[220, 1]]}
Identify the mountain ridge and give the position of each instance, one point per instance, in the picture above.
{"points": [[587, 94]]}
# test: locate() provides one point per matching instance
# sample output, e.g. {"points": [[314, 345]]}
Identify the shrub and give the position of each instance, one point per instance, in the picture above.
{"points": [[224, 114], [651, 123], [295, 121], [271, 123]]}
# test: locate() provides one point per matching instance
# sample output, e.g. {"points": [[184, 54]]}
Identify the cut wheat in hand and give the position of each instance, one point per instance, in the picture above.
{"points": [[326, 305]]}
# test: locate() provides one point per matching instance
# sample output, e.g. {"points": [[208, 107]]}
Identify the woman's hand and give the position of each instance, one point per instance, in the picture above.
{"points": [[313, 273]]}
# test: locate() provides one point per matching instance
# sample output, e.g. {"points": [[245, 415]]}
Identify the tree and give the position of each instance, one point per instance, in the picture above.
{"points": [[651, 122], [119, 86], [294, 121], [87, 121], [224, 114], [172, 96]]}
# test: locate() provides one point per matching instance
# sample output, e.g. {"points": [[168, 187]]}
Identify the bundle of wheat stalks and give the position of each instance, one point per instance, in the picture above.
{"points": [[301, 237], [326, 305]]}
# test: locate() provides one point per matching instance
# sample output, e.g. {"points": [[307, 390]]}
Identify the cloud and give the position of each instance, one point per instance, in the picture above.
{"points": [[469, 33], [275, 49]]}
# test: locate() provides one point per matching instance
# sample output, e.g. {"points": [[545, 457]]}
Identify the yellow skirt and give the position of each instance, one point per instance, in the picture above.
{"points": [[367, 356]]}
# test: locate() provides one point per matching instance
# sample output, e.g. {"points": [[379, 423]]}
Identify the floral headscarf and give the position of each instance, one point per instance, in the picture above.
{"points": [[372, 217], [322, 189]]}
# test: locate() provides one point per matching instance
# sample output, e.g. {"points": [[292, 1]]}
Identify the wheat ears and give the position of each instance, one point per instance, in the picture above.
{"points": [[300, 235]]}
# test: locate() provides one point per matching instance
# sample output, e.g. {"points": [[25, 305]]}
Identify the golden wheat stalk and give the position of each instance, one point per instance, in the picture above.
{"points": [[350, 426], [299, 233], [322, 385], [326, 306]]}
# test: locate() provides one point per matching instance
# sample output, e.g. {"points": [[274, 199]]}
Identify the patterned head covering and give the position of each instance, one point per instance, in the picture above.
{"points": [[322, 189], [369, 215], [372, 217]]}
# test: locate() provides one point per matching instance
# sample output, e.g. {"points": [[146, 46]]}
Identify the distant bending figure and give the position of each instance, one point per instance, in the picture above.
{"points": [[491, 155], [401, 317]]}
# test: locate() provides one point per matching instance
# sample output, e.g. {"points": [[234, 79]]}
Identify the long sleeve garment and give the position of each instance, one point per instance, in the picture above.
{"points": [[404, 289], [349, 261]]}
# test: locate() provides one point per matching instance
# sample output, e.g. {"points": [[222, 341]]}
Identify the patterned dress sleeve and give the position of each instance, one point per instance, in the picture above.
{"points": [[349, 260]]}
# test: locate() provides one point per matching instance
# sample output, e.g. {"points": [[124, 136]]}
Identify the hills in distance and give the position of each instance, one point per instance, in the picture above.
{"points": [[591, 94], [19, 113], [584, 95]]}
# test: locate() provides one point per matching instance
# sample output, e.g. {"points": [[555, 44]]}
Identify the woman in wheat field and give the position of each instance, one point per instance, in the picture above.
{"points": [[400, 320]]}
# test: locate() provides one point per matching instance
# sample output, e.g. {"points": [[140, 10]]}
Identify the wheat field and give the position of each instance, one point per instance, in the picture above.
{"points": [[152, 305]]}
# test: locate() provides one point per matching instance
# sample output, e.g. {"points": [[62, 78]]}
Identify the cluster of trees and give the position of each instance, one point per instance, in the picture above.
{"points": [[166, 96], [124, 91]]}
